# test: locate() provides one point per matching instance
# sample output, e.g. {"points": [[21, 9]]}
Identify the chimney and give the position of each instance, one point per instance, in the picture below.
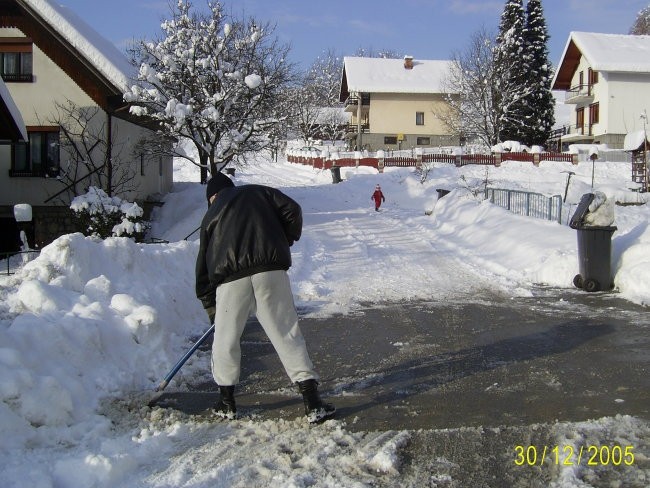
{"points": [[408, 62]]}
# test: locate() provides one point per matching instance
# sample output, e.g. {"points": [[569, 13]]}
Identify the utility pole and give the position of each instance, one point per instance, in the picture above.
{"points": [[644, 117]]}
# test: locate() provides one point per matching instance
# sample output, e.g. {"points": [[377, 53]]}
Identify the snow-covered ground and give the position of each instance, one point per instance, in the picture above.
{"points": [[89, 327]]}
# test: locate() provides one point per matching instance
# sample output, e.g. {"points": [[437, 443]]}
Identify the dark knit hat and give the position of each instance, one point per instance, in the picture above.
{"points": [[217, 183]]}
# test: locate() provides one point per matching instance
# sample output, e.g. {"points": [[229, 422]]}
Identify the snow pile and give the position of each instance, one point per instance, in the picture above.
{"points": [[634, 140], [91, 318]]}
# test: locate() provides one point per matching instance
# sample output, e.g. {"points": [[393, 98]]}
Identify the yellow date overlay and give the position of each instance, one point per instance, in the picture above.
{"points": [[569, 455]]}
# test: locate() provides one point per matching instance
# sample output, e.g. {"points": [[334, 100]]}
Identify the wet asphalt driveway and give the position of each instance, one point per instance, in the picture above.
{"points": [[559, 356], [470, 381]]}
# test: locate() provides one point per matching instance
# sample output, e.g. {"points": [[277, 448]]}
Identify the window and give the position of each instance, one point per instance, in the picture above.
{"points": [[15, 59], [424, 141], [419, 118], [37, 157], [390, 140], [593, 77], [594, 114]]}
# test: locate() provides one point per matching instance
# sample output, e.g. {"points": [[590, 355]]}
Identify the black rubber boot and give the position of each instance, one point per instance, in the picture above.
{"points": [[226, 407], [315, 409]]}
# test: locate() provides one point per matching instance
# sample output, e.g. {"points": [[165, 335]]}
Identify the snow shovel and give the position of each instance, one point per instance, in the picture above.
{"points": [[163, 384]]}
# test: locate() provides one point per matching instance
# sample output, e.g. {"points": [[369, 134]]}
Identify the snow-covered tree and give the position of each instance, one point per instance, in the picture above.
{"points": [[321, 88], [324, 78], [511, 70], [213, 80], [641, 25], [539, 103], [471, 111]]}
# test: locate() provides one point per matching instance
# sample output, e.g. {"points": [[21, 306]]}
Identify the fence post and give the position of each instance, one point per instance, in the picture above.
{"points": [[574, 159], [497, 160], [357, 157], [459, 160], [536, 159], [418, 158], [380, 161]]}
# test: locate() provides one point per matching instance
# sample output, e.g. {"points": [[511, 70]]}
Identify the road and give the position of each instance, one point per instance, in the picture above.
{"points": [[471, 381]]}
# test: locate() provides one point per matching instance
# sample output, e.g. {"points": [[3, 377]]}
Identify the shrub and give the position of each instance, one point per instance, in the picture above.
{"points": [[97, 214]]}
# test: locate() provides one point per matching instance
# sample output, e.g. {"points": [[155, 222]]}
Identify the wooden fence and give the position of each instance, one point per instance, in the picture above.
{"points": [[459, 160]]}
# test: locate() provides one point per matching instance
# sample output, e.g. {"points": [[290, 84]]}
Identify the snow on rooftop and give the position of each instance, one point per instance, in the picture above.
{"points": [[614, 52], [103, 54], [13, 110], [381, 75]]}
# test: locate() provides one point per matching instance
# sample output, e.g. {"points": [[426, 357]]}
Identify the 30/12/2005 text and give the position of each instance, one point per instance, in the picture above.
{"points": [[569, 455]]}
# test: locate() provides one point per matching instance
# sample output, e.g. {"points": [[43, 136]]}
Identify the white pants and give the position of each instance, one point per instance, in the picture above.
{"points": [[267, 295]]}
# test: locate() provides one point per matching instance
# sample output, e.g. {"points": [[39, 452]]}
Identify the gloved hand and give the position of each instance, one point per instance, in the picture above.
{"points": [[211, 311]]}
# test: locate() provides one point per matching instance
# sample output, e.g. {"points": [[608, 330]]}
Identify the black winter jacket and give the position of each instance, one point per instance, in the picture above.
{"points": [[247, 230]]}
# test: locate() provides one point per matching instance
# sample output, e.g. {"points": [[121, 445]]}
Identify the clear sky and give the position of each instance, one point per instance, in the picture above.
{"points": [[425, 29]]}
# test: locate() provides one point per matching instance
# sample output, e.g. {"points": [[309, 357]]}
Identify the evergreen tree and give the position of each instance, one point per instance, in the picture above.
{"points": [[641, 25], [539, 106], [511, 69]]}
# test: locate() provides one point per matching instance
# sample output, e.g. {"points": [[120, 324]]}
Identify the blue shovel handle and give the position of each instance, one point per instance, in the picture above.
{"points": [[163, 384]]}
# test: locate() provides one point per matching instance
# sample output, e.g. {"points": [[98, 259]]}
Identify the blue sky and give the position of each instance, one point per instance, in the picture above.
{"points": [[425, 29]]}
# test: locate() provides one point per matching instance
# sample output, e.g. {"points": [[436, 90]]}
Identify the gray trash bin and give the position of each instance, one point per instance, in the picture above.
{"points": [[336, 174], [594, 250]]}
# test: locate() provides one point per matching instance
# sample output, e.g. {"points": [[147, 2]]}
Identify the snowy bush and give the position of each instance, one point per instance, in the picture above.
{"points": [[97, 214]]}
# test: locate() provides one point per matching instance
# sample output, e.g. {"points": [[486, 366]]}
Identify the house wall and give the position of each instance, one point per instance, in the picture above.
{"points": [[394, 113], [37, 103], [629, 96], [622, 99]]}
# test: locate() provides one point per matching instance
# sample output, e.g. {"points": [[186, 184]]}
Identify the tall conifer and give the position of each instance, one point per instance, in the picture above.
{"points": [[511, 71], [539, 103]]}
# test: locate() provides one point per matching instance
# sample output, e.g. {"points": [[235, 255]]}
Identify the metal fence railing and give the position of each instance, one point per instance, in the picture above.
{"points": [[527, 203], [12, 261]]}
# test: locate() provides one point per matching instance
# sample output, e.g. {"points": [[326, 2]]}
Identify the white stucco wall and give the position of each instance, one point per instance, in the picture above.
{"points": [[628, 97], [37, 103], [621, 97]]}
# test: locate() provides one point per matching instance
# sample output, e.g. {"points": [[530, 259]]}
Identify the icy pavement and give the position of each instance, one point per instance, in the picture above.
{"points": [[473, 382]]}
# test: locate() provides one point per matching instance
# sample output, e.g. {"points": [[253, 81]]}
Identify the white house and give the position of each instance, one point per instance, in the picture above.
{"points": [[54, 65], [392, 103], [606, 77]]}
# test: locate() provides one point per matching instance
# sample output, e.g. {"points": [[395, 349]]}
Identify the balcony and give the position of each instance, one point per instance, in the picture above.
{"points": [[352, 128], [352, 102], [579, 94], [575, 133]]}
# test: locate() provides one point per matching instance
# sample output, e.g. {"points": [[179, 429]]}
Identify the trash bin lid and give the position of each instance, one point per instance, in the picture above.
{"points": [[582, 210]]}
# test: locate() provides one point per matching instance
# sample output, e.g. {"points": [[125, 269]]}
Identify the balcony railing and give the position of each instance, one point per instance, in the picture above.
{"points": [[353, 128], [579, 93], [354, 100]]}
